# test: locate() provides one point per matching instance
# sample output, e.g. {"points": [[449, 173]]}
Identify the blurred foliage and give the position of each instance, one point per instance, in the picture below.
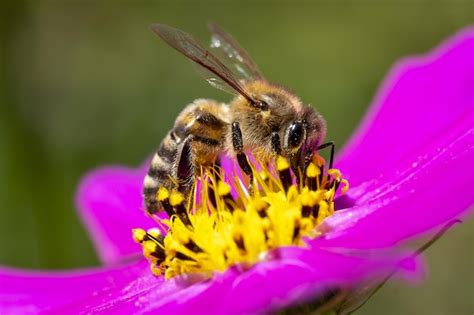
{"points": [[86, 83]]}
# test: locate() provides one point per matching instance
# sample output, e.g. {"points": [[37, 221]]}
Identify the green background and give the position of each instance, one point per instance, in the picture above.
{"points": [[85, 84]]}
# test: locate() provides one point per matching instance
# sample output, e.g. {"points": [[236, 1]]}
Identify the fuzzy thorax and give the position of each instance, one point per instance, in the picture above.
{"points": [[226, 224]]}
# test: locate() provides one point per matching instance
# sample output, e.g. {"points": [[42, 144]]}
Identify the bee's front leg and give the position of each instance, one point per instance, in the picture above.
{"points": [[238, 145], [276, 144], [331, 156]]}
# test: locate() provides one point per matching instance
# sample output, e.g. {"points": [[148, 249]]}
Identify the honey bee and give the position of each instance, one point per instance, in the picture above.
{"points": [[259, 116]]}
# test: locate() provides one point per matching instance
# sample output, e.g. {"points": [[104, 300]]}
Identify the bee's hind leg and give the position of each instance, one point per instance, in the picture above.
{"points": [[185, 175], [185, 171], [238, 145]]}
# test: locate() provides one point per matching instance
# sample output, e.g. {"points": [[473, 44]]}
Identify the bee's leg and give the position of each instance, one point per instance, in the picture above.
{"points": [[276, 144], [307, 159], [238, 144], [295, 160], [185, 167], [185, 177], [297, 167], [331, 156]]}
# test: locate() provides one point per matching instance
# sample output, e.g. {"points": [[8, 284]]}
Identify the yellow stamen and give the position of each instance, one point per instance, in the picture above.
{"points": [[223, 231], [149, 247], [223, 188], [138, 235], [312, 171]]}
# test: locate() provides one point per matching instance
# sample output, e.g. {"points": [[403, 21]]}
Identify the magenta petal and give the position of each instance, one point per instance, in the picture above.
{"points": [[110, 204], [132, 289], [27, 292], [430, 190], [420, 98], [270, 285], [304, 274]]}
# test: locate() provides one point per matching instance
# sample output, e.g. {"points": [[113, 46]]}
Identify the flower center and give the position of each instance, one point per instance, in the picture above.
{"points": [[226, 223]]}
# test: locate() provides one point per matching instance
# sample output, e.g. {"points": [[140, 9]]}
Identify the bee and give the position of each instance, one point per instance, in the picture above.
{"points": [[263, 118]]}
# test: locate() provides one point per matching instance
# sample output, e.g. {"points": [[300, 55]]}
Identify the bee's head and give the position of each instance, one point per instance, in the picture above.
{"points": [[303, 136], [300, 127], [305, 133]]}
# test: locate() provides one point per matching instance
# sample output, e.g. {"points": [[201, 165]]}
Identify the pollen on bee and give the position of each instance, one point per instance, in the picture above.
{"points": [[216, 230]]}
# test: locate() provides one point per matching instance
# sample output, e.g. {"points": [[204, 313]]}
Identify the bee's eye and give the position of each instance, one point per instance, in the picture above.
{"points": [[295, 135]]}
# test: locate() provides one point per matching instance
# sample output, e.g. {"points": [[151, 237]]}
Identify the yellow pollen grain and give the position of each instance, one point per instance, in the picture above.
{"points": [[282, 163], [176, 198], [163, 194]]}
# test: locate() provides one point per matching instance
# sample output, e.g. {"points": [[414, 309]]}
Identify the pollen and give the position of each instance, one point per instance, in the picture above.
{"points": [[225, 223]]}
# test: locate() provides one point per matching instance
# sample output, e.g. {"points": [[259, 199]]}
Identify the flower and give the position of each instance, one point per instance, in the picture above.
{"points": [[410, 169], [230, 222]]}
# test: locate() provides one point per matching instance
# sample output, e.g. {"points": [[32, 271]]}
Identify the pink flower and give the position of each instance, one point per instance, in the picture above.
{"points": [[410, 169]]}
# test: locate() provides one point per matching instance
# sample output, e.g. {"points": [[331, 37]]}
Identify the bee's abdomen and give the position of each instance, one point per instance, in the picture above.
{"points": [[203, 121], [160, 172]]}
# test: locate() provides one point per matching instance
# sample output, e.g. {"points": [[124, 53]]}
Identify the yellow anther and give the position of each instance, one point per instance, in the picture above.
{"points": [[312, 171], [223, 189], [266, 223], [163, 193], [263, 175], [281, 163], [258, 204], [156, 270], [309, 199], [323, 211], [148, 248], [138, 235], [176, 198]]}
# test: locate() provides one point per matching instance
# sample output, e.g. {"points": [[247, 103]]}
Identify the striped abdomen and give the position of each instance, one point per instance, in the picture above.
{"points": [[196, 140], [160, 172]]}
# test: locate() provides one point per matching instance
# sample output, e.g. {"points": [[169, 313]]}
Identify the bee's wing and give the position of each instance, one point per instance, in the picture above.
{"points": [[233, 54], [190, 47]]}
